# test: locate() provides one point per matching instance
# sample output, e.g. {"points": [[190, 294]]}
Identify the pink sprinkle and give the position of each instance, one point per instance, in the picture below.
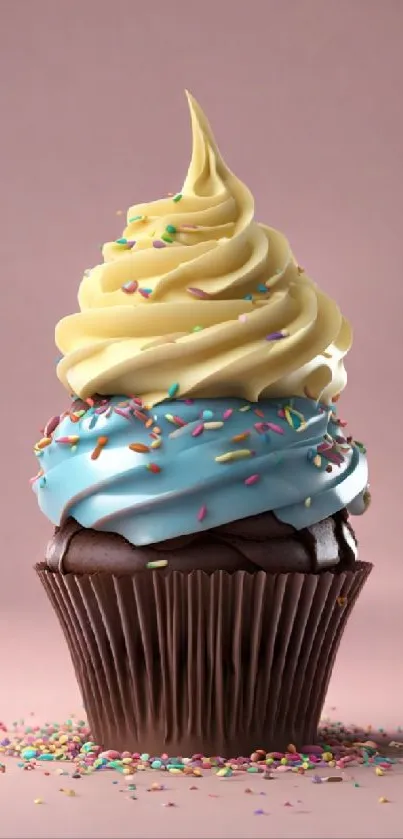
{"points": [[253, 479], [228, 413], [198, 292], [144, 292], [123, 413], [159, 244], [179, 421], [202, 513], [260, 427], [198, 430], [130, 287], [275, 428], [281, 413], [188, 401]]}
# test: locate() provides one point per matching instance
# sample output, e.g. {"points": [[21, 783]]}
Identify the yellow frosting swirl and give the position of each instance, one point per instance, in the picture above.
{"points": [[198, 299]]}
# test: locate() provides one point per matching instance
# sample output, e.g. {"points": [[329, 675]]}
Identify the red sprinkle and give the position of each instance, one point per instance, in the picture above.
{"points": [[198, 430], [153, 467], [275, 428]]}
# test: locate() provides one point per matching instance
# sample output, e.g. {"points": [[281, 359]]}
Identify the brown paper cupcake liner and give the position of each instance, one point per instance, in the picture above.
{"points": [[219, 663]]}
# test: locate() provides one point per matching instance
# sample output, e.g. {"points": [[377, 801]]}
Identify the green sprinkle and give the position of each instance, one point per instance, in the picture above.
{"points": [[121, 241], [166, 238], [177, 197], [197, 328], [136, 218], [173, 390], [170, 228], [157, 563]]}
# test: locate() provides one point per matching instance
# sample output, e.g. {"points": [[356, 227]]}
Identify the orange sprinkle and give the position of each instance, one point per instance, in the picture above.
{"points": [[139, 447], [74, 417], [239, 437], [157, 430], [149, 422], [259, 413], [46, 441], [102, 441], [90, 402]]}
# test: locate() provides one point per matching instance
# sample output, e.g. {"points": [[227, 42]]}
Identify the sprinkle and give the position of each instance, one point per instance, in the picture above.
{"points": [[165, 238], [145, 292], [156, 443], [341, 601], [275, 336], [170, 228], [275, 428], [213, 426], [175, 420], [308, 502], [158, 244], [157, 563], [177, 197], [102, 441], [242, 318], [140, 415], [198, 292], [153, 467], [137, 218], [253, 479], [198, 430], [51, 426], [227, 414], [202, 513], [173, 390], [383, 800], [130, 287], [240, 437], [121, 241], [139, 447], [244, 408], [35, 478], [236, 455], [197, 328], [38, 800], [262, 288], [46, 441], [317, 461], [259, 413], [248, 297]]}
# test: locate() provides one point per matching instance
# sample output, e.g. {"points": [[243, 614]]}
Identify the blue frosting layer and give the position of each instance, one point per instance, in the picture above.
{"points": [[186, 474]]}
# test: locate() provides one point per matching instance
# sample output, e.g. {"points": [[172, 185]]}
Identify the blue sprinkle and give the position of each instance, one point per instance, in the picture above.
{"points": [[121, 241], [262, 288], [248, 297], [207, 415]]}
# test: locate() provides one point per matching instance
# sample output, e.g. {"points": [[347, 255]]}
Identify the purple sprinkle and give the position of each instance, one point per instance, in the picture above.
{"points": [[131, 243], [275, 336], [159, 244]]}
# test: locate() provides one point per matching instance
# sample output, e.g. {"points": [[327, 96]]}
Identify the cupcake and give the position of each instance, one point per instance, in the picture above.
{"points": [[200, 481]]}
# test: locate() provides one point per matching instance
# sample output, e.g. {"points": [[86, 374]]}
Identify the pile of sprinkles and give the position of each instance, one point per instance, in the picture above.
{"points": [[71, 746]]}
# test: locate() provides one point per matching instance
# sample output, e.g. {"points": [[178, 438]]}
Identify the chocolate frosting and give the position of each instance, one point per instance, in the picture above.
{"points": [[256, 543]]}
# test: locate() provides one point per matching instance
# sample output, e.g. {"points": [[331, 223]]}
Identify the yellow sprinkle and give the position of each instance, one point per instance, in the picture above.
{"points": [[244, 408], [379, 771], [156, 443], [38, 800], [175, 771], [317, 461], [383, 800], [157, 563], [236, 455], [45, 441], [213, 425], [308, 502], [70, 792]]}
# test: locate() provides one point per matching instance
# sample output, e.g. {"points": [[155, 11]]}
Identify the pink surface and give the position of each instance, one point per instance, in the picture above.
{"points": [[305, 100], [218, 808]]}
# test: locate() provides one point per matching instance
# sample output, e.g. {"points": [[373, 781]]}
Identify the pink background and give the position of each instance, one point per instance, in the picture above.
{"points": [[305, 100]]}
